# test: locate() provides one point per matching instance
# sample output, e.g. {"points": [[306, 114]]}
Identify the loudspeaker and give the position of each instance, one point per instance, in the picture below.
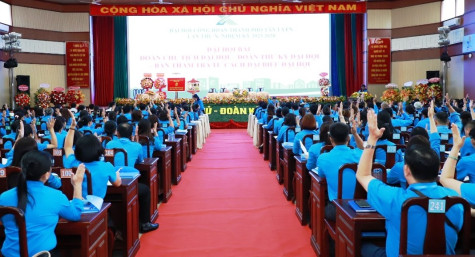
{"points": [[23, 84], [432, 74]]}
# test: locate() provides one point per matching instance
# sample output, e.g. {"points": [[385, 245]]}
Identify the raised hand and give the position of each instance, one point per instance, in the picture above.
{"points": [[375, 133], [50, 124], [78, 177], [430, 111], [457, 140]]}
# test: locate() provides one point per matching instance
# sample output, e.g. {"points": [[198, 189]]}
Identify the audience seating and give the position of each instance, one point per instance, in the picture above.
{"points": [[21, 223]]}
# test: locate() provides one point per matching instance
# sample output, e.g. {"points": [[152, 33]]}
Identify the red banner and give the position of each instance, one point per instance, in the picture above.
{"points": [[77, 64], [176, 84], [379, 60], [227, 9]]}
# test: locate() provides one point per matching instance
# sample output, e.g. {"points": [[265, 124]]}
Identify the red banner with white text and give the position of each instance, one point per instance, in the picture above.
{"points": [[379, 60], [227, 9], [77, 64]]}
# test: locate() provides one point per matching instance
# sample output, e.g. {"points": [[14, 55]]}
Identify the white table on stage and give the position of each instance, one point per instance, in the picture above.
{"points": [[255, 138]]}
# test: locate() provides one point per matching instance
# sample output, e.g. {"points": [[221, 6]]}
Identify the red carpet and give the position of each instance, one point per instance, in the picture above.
{"points": [[227, 204]]}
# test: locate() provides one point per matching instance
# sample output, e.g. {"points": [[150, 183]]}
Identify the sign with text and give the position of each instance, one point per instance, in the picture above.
{"points": [[228, 9], [176, 84], [77, 64], [379, 60]]}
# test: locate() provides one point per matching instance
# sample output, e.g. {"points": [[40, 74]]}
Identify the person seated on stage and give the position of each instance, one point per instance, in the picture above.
{"points": [[263, 114], [329, 163], [308, 126], [314, 151], [302, 112], [420, 170], [363, 89], [289, 122], [278, 123], [134, 155], [384, 121], [186, 114], [183, 124], [59, 125], [468, 147], [198, 101], [272, 123], [42, 206]]}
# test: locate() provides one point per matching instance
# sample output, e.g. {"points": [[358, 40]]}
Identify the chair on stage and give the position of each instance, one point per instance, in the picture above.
{"points": [[435, 241]]}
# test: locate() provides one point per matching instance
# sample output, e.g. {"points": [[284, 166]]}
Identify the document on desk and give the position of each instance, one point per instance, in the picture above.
{"points": [[126, 174], [361, 206], [92, 204]]}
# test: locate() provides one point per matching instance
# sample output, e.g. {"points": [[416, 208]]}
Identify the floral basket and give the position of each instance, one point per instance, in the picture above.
{"points": [[366, 96], [146, 83], [391, 94], [324, 84], [74, 96], [42, 98], [124, 101], [58, 97], [22, 99], [407, 94]]}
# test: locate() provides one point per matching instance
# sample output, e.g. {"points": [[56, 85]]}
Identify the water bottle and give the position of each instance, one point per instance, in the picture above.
{"points": [[173, 136]]}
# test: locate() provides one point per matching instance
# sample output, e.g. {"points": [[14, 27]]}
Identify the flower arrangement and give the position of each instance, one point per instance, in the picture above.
{"points": [[425, 90], [324, 84], [22, 99], [42, 98], [58, 97], [124, 101], [74, 96], [159, 84], [146, 83], [407, 92], [435, 90], [240, 93], [366, 96], [391, 94]]}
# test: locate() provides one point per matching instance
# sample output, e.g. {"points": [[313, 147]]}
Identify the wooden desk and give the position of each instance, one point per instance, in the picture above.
{"points": [[318, 196], [184, 150], [189, 135], [289, 169], [194, 134], [302, 190], [125, 214], [260, 137], [272, 151], [176, 160], [349, 226], [149, 176], [265, 141], [279, 161], [164, 173], [86, 237]]}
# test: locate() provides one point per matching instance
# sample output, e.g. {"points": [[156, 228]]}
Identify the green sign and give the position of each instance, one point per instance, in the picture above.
{"points": [[226, 112]]}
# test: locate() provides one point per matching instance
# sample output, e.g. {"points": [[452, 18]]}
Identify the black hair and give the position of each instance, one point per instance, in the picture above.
{"points": [[465, 117], [326, 110], [384, 121], [442, 118], [145, 129], [425, 112], [124, 130], [327, 118], [81, 107], [423, 162], [324, 130], [470, 125], [196, 96], [14, 126], [289, 120], [186, 107], [472, 133], [109, 128], [59, 123], [285, 111], [163, 115], [88, 149], [313, 109], [302, 111], [34, 164], [122, 119], [295, 106], [142, 106], [112, 116], [270, 112], [136, 115], [339, 133], [418, 140], [72, 105], [127, 108], [83, 113], [419, 131], [195, 107], [23, 146], [111, 104], [278, 112], [84, 121]]}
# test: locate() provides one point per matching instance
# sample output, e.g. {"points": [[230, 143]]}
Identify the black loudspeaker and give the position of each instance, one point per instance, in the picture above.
{"points": [[432, 74], [23, 84]]}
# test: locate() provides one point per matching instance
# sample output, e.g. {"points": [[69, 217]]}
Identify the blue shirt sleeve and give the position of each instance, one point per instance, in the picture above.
{"points": [[455, 118], [382, 197], [54, 181], [467, 191], [70, 210], [434, 139]]}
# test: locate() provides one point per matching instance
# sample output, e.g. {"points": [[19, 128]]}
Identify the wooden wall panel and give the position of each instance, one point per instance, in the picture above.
{"points": [[416, 15], [379, 19], [49, 20]]}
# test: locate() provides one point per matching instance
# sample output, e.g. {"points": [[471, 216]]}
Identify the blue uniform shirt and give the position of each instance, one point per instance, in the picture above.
{"points": [[59, 137], [281, 137], [45, 206], [8, 145], [388, 202], [134, 152], [278, 125], [297, 150], [380, 153], [465, 168], [467, 191], [424, 123], [467, 148], [328, 165], [313, 154]]}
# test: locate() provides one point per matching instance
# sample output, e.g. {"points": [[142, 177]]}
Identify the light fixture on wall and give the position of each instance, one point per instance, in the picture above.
{"points": [[11, 44]]}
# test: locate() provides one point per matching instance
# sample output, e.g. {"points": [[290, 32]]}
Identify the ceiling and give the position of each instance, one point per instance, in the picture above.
{"points": [[138, 2]]}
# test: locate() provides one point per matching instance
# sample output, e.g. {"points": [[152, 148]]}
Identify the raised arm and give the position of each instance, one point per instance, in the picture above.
{"points": [[364, 168], [54, 140], [430, 113], [354, 132], [68, 142], [76, 181], [447, 178]]}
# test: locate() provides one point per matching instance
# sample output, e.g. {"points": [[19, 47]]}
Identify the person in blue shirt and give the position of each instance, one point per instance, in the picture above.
{"points": [[308, 126], [14, 126], [278, 123], [144, 109], [87, 125], [155, 140], [314, 151], [59, 125], [284, 135], [48, 115], [134, 155], [166, 122], [268, 116], [198, 101], [421, 170], [384, 121], [442, 123], [466, 163], [424, 121], [468, 147], [42, 206], [128, 112], [329, 163]]}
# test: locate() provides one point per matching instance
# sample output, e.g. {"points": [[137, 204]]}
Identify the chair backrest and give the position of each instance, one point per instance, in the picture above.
{"points": [[444, 148], [21, 224], [147, 141], [87, 132], [445, 138], [435, 241], [326, 148], [310, 138], [161, 130], [109, 155], [405, 135], [390, 151], [9, 178], [66, 175], [7, 139], [57, 154], [377, 170], [286, 139]]}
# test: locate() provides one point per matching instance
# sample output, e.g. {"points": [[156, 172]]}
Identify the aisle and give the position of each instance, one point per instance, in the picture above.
{"points": [[227, 204]]}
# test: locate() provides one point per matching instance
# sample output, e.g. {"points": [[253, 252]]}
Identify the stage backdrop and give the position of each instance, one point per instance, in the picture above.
{"points": [[284, 54]]}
